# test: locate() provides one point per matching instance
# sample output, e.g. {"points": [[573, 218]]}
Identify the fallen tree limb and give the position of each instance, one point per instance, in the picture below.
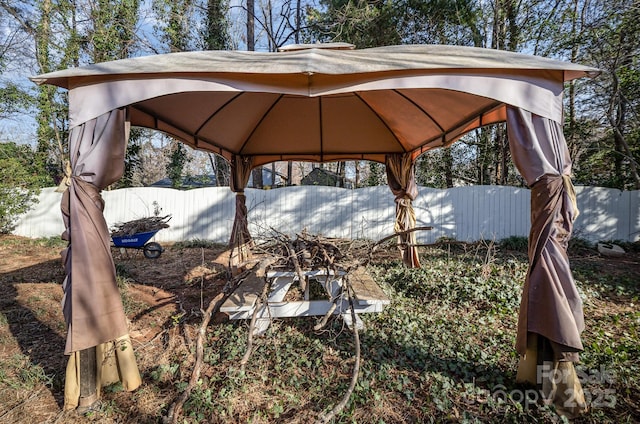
{"points": [[296, 265], [326, 316], [325, 418], [400, 233], [214, 306], [176, 407], [262, 300]]}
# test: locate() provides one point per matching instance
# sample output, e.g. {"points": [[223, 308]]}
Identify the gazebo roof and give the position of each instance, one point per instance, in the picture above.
{"points": [[319, 104]]}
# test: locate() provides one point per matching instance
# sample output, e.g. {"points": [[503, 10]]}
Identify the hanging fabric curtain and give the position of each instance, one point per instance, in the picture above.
{"points": [[91, 304], [402, 181], [240, 241], [551, 309]]}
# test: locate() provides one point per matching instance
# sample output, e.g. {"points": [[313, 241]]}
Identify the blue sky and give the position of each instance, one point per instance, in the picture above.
{"points": [[21, 128]]}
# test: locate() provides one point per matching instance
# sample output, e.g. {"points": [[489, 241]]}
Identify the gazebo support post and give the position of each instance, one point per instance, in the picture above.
{"points": [[88, 379], [96, 160], [240, 241], [402, 182], [551, 317]]}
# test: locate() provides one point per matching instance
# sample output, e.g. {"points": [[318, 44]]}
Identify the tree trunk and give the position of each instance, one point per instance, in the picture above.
{"points": [[501, 156], [572, 140], [484, 156], [273, 174], [298, 21], [448, 167], [618, 110], [251, 42], [257, 177]]}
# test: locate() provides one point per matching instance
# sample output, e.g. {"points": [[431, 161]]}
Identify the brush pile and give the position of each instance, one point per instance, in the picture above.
{"points": [[310, 251], [142, 225]]}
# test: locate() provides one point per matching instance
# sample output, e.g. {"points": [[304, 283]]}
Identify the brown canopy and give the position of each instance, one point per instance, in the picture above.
{"points": [[319, 104], [387, 104]]}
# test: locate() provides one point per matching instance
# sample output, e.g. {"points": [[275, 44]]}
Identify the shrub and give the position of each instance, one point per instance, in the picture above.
{"points": [[516, 243], [20, 183], [579, 245]]}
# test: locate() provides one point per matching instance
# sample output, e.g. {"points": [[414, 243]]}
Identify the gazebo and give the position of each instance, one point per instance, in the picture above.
{"points": [[321, 103]]}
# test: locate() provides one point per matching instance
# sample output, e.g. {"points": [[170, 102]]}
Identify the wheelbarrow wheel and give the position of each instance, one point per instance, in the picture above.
{"points": [[152, 250]]}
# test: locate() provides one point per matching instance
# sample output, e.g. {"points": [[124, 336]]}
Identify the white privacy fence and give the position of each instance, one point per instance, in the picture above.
{"points": [[462, 213]]}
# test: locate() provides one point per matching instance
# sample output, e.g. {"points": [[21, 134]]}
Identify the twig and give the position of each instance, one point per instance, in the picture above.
{"points": [[325, 418], [296, 265], [326, 316], [261, 301], [33, 395], [175, 409], [400, 233]]}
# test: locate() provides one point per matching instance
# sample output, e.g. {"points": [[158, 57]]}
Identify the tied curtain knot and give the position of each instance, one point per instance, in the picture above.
{"points": [[405, 214]]}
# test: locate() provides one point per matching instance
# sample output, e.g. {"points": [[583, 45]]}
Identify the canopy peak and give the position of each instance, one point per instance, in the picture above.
{"points": [[327, 46]]}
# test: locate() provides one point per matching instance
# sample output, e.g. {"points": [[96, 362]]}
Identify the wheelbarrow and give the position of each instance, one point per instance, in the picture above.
{"points": [[151, 250]]}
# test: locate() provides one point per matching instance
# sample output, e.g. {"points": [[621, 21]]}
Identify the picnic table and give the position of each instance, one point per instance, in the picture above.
{"points": [[368, 297]]}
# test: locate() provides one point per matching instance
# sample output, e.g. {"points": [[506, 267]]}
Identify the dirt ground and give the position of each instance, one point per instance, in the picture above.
{"points": [[157, 294]]}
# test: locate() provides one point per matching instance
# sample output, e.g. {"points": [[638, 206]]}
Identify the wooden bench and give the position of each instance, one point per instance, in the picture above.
{"points": [[367, 291], [245, 296]]}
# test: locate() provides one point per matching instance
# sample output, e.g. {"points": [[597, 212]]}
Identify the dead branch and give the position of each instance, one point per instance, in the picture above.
{"points": [[325, 418], [296, 265], [325, 318], [261, 301], [176, 407], [315, 252], [400, 233], [214, 306], [142, 225]]}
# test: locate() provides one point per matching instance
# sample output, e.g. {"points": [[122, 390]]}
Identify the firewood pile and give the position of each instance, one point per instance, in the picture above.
{"points": [[142, 225]]}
